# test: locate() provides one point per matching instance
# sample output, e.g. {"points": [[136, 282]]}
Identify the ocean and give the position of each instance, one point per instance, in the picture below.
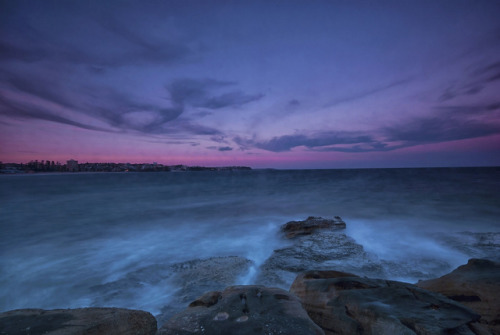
{"points": [[118, 239]]}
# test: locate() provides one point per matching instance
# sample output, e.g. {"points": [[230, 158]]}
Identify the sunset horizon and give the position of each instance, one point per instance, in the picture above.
{"points": [[257, 83]]}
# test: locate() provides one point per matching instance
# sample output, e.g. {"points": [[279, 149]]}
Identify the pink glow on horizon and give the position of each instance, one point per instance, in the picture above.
{"points": [[314, 87], [462, 152]]}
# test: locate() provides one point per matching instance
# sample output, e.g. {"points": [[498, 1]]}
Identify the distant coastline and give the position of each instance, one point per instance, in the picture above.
{"points": [[73, 166]]}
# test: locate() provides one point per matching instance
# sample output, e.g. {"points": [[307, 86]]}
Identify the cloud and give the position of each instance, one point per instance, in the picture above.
{"points": [[366, 93], [44, 88], [220, 148], [18, 111], [198, 93], [118, 110], [492, 70], [314, 141], [453, 92], [448, 123], [193, 91], [433, 130], [475, 82], [466, 110], [10, 51], [190, 127], [219, 139], [145, 48], [236, 98], [93, 47]]}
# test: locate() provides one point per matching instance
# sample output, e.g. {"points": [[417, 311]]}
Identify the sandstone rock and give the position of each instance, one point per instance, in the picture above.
{"points": [[342, 303], [476, 285], [89, 321], [322, 250], [243, 310], [312, 223]]}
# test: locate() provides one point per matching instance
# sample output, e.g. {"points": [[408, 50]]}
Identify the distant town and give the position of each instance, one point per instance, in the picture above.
{"points": [[73, 166]]}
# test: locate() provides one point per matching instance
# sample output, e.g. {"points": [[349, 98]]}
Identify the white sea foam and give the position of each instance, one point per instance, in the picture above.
{"points": [[406, 244], [259, 246]]}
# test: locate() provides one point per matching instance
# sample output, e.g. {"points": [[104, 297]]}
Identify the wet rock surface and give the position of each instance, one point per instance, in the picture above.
{"points": [[312, 223], [243, 310], [90, 321], [341, 303], [321, 250], [189, 279], [475, 285], [326, 248]]}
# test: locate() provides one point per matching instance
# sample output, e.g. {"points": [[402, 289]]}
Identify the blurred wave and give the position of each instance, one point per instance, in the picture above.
{"points": [[63, 234]]}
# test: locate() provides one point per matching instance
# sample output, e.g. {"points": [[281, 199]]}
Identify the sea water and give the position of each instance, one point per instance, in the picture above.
{"points": [[62, 234]]}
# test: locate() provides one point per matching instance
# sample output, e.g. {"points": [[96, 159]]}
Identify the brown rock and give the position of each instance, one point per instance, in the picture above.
{"points": [[89, 321], [323, 250], [476, 285], [342, 303], [242, 310], [312, 223]]}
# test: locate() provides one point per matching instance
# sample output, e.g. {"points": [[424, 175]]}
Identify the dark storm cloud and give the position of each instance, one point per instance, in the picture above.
{"points": [[199, 93]]}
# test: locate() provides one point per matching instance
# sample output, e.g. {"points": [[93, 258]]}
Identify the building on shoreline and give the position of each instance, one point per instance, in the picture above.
{"points": [[72, 165]]}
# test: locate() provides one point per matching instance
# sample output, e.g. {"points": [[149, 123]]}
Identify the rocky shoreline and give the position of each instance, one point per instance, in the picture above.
{"points": [[302, 288]]}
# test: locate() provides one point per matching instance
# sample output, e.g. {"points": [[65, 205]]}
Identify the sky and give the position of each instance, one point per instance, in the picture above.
{"points": [[266, 84]]}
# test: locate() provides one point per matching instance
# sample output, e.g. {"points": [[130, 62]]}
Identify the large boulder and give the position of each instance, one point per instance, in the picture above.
{"points": [[312, 223], [342, 303], [476, 285], [322, 250], [89, 321], [243, 310]]}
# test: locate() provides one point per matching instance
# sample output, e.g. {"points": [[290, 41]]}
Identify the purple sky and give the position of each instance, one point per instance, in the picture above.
{"points": [[284, 84]]}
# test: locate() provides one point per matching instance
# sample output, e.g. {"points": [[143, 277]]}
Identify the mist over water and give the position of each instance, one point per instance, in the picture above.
{"points": [[64, 234]]}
